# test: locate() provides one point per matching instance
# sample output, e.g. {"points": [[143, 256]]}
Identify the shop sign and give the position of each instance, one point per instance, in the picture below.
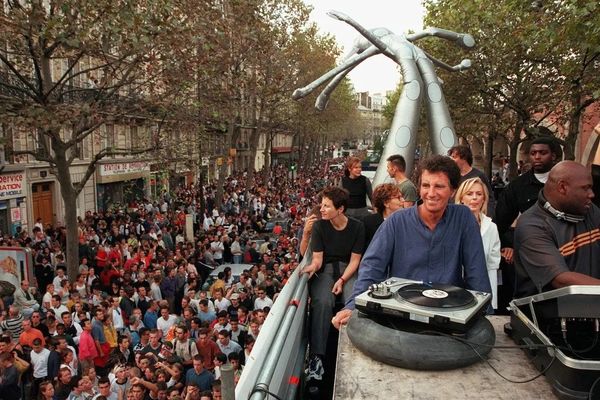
{"points": [[11, 185], [123, 168]]}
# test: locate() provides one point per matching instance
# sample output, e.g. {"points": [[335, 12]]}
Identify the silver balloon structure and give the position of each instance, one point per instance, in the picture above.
{"points": [[420, 80]]}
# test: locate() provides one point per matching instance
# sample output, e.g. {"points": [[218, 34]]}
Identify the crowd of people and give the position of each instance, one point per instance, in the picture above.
{"points": [[143, 318]]}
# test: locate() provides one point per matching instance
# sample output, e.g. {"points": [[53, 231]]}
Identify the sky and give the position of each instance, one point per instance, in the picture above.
{"points": [[378, 73]]}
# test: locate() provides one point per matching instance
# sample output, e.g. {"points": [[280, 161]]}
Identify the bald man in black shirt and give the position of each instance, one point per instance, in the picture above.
{"points": [[557, 241]]}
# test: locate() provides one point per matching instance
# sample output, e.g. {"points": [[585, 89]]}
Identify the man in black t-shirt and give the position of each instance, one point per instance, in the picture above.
{"points": [[557, 242]]}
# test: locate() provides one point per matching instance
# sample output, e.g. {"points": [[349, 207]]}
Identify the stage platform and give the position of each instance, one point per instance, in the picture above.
{"points": [[360, 377]]}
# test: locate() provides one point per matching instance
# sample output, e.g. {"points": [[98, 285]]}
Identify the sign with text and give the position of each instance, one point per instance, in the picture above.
{"points": [[12, 185], [123, 168]]}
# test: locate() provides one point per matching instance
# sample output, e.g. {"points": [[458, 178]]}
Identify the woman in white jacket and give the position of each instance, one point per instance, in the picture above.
{"points": [[473, 193]]}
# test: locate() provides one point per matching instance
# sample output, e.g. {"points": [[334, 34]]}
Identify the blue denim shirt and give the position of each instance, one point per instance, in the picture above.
{"points": [[404, 247]]}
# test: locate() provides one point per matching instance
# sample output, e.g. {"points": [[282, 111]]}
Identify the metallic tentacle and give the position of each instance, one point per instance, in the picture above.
{"points": [[323, 97], [349, 63], [463, 40], [441, 128]]}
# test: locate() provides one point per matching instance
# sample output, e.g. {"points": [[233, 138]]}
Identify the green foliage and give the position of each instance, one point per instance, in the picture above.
{"points": [[532, 64], [340, 119], [389, 109], [378, 145]]}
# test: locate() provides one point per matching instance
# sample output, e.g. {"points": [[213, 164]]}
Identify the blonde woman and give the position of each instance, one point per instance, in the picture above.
{"points": [[473, 193]]}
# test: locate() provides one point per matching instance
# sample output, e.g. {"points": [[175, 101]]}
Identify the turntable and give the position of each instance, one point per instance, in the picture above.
{"points": [[444, 306]]}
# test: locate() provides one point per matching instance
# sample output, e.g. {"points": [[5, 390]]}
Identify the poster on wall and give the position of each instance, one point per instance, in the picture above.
{"points": [[16, 264], [15, 214]]}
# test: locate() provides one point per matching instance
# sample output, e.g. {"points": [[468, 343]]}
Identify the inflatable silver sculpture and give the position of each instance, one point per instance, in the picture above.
{"points": [[418, 73]]}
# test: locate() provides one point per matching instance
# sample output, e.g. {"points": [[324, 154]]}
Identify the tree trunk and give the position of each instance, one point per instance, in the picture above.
{"points": [[72, 255], [221, 184], [223, 167], [201, 194], [69, 197], [574, 122], [513, 145], [489, 155], [311, 152], [254, 138], [267, 156], [301, 152]]}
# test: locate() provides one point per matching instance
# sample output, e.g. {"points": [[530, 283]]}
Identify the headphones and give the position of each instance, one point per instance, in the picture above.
{"points": [[560, 215]]}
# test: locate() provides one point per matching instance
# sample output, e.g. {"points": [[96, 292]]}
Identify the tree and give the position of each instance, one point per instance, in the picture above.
{"points": [[389, 109], [572, 35], [315, 129], [69, 67], [502, 74], [272, 78], [535, 68], [229, 46]]}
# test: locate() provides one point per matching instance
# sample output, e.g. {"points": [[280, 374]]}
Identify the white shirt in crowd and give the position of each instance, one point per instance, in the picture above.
{"points": [[40, 363], [117, 317], [165, 325], [222, 304], [260, 304]]}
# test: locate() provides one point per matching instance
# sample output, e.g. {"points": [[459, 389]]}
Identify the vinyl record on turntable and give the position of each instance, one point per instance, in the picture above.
{"points": [[436, 295]]}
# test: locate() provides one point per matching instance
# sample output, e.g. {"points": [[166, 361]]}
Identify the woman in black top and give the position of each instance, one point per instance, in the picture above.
{"points": [[358, 187], [337, 243]]}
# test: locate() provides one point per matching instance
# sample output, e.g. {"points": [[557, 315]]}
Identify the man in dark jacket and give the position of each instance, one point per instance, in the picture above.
{"points": [[168, 287], [518, 197], [54, 359]]}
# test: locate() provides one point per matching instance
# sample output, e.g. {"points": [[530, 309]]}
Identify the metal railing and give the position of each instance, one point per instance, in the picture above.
{"points": [[277, 359]]}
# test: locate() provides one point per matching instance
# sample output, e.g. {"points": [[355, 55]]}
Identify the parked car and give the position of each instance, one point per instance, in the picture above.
{"points": [[236, 270]]}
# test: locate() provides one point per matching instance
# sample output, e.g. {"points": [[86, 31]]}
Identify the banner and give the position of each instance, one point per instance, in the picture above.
{"points": [[12, 186]]}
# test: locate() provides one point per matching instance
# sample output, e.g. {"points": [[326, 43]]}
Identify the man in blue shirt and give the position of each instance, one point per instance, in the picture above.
{"points": [[204, 313], [99, 338], [432, 242], [151, 315], [199, 376]]}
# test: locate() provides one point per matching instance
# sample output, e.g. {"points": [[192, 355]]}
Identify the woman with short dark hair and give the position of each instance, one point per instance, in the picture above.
{"points": [[337, 244]]}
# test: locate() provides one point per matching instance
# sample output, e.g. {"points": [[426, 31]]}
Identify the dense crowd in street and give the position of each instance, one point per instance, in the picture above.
{"points": [[151, 314], [143, 318]]}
